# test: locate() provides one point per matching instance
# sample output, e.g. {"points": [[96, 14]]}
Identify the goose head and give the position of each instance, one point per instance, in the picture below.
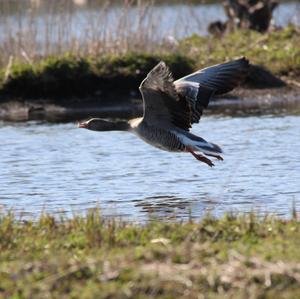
{"points": [[98, 124]]}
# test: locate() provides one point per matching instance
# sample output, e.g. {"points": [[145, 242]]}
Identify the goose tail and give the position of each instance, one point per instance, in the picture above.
{"points": [[208, 148], [200, 144]]}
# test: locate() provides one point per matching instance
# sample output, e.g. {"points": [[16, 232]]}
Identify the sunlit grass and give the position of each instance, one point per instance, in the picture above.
{"points": [[71, 75], [277, 50], [92, 257]]}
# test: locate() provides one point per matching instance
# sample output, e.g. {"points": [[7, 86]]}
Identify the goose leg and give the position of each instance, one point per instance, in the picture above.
{"points": [[200, 157], [216, 156]]}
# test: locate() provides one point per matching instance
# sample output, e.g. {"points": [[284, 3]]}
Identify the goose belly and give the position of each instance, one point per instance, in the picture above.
{"points": [[162, 139]]}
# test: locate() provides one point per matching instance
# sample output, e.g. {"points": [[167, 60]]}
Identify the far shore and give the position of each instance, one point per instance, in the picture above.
{"points": [[242, 101], [69, 87]]}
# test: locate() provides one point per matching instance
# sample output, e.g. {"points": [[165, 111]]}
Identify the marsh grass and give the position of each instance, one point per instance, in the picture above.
{"points": [[33, 30], [89, 256], [44, 55], [55, 28], [69, 75], [80, 76]]}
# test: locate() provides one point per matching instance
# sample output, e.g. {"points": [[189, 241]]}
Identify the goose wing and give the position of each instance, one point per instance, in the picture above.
{"points": [[199, 87], [162, 105], [196, 96], [182, 102]]}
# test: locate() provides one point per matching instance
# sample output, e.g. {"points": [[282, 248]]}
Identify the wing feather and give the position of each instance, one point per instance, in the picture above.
{"points": [[160, 79], [221, 77], [199, 87], [197, 96], [162, 105]]}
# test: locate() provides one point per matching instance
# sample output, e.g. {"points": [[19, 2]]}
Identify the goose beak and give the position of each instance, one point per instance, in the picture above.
{"points": [[82, 125]]}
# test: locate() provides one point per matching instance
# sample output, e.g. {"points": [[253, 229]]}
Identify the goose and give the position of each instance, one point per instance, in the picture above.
{"points": [[171, 107]]}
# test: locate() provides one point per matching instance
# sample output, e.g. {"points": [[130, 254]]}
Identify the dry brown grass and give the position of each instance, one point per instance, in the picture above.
{"points": [[55, 28], [31, 30]]}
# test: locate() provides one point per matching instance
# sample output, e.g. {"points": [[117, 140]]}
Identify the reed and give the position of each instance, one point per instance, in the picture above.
{"points": [[32, 32]]}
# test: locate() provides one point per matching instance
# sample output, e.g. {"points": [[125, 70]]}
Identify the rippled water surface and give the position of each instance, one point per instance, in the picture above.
{"points": [[60, 168]]}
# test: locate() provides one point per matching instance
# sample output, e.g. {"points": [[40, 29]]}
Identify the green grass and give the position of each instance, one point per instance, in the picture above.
{"points": [[278, 50], [89, 257], [75, 76], [69, 75]]}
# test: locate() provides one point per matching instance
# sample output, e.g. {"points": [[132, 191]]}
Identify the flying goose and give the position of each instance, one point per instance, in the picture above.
{"points": [[171, 107]]}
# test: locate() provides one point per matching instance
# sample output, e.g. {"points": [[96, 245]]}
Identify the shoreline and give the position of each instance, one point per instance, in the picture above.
{"points": [[70, 87], [274, 59], [241, 101]]}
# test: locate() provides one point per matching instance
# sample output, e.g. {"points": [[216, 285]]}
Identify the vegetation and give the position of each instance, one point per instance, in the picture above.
{"points": [[90, 257], [44, 54], [71, 75], [276, 50], [34, 30]]}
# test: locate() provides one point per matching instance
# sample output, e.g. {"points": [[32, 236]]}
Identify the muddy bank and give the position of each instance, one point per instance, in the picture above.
{"points": [[45, 111], [240, 102], [258, 101]]}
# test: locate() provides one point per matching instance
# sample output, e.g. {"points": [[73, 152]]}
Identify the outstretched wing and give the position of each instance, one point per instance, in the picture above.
{"points": [[221, 77], [162, 105], [182, 102], [199, 87]]}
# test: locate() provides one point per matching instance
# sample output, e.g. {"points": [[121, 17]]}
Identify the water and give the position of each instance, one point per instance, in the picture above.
{"points": [[59, 168]]}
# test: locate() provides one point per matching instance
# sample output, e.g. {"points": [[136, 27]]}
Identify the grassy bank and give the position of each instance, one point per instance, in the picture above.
{"points": [[71, 75], [88, 257], [278, 50]]}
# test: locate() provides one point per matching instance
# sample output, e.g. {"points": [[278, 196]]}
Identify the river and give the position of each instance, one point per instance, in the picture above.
{"points": [[58, 168]]}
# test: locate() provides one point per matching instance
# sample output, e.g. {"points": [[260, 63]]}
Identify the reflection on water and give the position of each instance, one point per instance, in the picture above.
{"points": [[59, 168], [172, 207]]}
